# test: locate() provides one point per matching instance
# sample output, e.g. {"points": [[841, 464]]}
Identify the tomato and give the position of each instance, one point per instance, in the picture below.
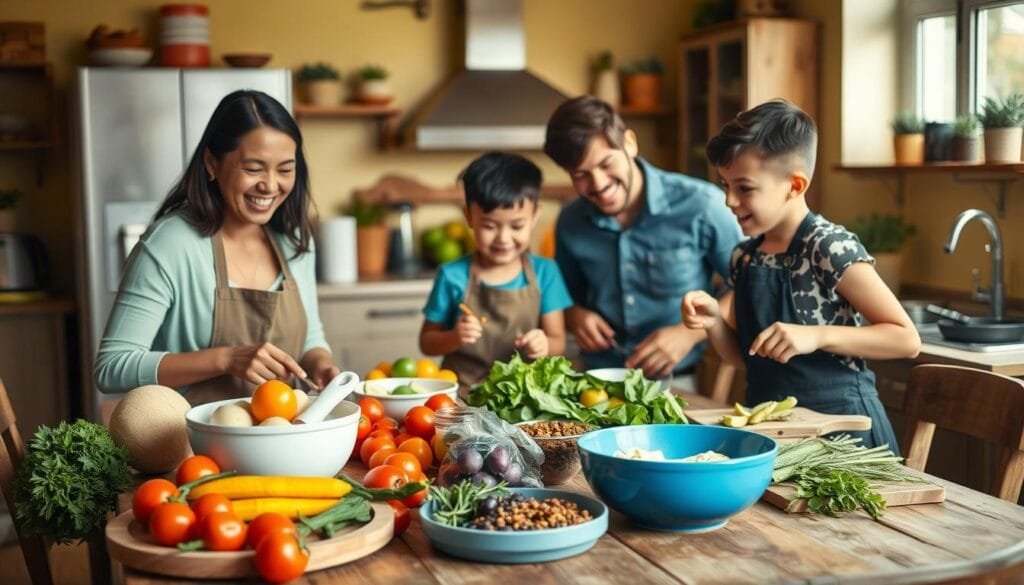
{"points": [[151, 494], [279, 558], [419, 422], [439, 446], [210, 503], [421, 449], [380, 455], [385, 477], [415, 500], [402, 437], [402, 516], [439, 401], [364, 428], [195, 467], [222, 531], [171, 523], [382, 433], [407, 462], [274, 398], [370, 446], [386, 423], [372, 409], [266, 524]]}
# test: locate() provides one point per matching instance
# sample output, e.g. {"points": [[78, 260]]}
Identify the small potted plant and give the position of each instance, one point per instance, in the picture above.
{"points": [[373, 85], [8, 203], [606, 79], [1002, 121], [883, 235], [321, 84], [908, 139], [642, 83], [371, 236], [966, 139]]}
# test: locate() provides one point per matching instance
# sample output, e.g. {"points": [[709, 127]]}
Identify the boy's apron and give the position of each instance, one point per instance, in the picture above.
{"points": [[243, 316], [818, 380], [509, 312]]}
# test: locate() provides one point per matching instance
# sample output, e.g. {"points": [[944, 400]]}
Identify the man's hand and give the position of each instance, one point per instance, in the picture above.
{"points": [[592, 332], [782, 341], [662, 350], [700, 310], [533, 343]]}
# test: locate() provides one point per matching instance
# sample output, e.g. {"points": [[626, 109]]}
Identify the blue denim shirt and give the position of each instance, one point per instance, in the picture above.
{"points": [[635, 278]]}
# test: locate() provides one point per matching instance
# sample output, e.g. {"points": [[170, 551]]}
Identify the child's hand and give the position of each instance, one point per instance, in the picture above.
{"points": [[533, 343], [700, 310], [469, 329], [782, 341]]}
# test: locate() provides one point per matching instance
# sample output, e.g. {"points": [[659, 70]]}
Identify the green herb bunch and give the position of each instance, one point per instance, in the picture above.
{"points": [[69, 481], [966, 126], [318, 72], [366, 214], [882, 234], [650, 65], [907, 123], [371, 72], [834, 491], [456, 505], [1008, 113]]}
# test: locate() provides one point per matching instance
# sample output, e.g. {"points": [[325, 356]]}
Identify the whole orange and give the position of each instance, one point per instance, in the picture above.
{"points": [[273, 398]]}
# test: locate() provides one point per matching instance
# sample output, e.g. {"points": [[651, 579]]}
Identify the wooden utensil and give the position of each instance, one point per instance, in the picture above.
{"points": [[803, 423]]}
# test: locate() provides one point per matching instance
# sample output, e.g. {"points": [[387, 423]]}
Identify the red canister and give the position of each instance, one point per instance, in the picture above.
{"points": [[184, 35]]}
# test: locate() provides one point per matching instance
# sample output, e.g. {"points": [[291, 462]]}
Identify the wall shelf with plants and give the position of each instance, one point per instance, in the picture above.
{"points": [[321, 93]]}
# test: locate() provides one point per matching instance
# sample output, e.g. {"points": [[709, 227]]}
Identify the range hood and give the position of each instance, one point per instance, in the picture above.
{"points": [[495, 102]]}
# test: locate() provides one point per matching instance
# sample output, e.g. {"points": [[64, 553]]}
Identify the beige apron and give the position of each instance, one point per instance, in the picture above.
{"points": [[243, 316], [510, 313]]}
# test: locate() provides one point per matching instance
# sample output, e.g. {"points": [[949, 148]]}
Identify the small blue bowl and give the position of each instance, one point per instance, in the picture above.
{"points": [[672, 495], [533, 546]]}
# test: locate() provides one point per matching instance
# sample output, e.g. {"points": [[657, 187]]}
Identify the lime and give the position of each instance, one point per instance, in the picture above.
{"points": [[433, 236], [403, 368], [403, 389], [374, 389], [447, 250]]}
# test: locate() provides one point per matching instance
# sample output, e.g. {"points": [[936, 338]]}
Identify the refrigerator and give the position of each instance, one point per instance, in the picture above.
{"points": [[134, 131]]}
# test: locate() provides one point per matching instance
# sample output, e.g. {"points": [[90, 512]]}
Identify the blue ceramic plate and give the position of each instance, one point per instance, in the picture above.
{"points": [[533, 546]]}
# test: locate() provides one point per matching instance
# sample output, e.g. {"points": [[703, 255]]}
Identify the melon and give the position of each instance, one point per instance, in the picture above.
{"points": [[150, 422]]}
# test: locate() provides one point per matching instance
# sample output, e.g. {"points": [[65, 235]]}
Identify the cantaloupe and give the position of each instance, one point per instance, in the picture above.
{"points": [[150, 422]]}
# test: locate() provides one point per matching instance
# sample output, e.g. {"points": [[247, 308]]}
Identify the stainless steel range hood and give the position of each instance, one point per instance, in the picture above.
{"points": [[495, 102]]}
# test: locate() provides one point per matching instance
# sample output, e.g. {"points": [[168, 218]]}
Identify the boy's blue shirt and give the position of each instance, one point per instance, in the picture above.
{"points": [[453, 277]]}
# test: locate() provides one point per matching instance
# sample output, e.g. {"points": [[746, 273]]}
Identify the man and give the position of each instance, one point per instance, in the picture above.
{"points": [[636, 240]]}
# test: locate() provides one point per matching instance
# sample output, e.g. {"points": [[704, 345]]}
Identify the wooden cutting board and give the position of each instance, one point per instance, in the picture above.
{"points": [[804, 422], [130, 543], [895, 494]]}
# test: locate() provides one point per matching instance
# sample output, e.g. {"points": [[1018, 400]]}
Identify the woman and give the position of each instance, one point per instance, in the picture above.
{"points": [[220, 293]]}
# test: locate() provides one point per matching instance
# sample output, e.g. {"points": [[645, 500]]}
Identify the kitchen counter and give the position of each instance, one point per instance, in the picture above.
{"points": [[379, 286]]}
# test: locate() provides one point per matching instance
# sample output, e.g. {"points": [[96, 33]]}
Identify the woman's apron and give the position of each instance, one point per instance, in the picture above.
{"points": [[819, 380], [243, 316], [510, 313]]}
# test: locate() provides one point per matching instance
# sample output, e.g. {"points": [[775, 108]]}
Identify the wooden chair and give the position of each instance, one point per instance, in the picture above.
{"points": [[34, 548], [973, 402]]}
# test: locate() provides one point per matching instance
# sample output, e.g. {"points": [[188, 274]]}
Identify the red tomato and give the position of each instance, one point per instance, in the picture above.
{"points": [[407, 462], [385, 477], [151, 494], [421, 449], [419, 421], [222, 531], [171, 523], [402, 437], [372, 409], [266, 524], [382, 433], [415, 500], [364, 428], [195, 467], [279, 558], [370, 447], [402, 516], [380, 455], [439, 401], [210, 503], [386, 423]]}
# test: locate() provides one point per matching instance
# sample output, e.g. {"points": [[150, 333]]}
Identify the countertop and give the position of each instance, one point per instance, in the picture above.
{"points": [[371, 287]]}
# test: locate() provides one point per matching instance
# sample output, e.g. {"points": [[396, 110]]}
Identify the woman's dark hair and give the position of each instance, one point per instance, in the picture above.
{"points": [[200, 200], [501, 179], [773, 130], [574, 125]]}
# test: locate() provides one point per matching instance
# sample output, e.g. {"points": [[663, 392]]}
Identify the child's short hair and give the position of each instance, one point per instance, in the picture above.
{"points": [[501, 179], [575, 123], [773, 129]]}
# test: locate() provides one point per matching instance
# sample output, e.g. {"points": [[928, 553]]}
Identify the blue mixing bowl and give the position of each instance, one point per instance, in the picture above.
{"points": [[672, 495]]}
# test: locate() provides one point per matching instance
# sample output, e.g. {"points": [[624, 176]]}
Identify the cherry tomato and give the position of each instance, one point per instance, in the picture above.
{"points": [[389, 433], [151, 494], [372, 409], [222, 531], [380, 455], [385, 477], [370, 447], [279, 558], [274, 398], [195, 467], [421, 449], [266, 524], [386, 423], [402, 516], [364, 428], [415, 500], [439, 401], [210, 503], [407, 462], [402, 437], [419, 422], [171, 523]]}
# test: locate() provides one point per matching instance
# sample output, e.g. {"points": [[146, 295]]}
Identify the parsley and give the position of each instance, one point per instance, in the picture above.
{"points": [[836, 490]]}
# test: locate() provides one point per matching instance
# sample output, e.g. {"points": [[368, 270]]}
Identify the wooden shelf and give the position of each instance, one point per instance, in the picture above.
{"points": [[659, 111], [395, 188], [936, 167], [387, 117]]}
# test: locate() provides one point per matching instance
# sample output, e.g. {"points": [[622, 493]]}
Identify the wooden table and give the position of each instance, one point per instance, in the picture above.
{"points": [[969, 533]]}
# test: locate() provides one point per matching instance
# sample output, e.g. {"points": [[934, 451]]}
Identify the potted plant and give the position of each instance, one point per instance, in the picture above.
{"points": [[1002, 121], [8, 202], [371, 236], [373, 85], [883, 235], [966, 140], [642, 83], [321, 84], [606, 79], [908, 139]]}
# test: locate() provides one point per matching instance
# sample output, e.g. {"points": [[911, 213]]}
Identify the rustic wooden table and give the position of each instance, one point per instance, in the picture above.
{"points": [[969, 534]]}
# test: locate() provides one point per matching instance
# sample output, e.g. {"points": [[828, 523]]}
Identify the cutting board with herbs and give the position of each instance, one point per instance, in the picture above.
{"points": [[894, 494], [804, 422]]}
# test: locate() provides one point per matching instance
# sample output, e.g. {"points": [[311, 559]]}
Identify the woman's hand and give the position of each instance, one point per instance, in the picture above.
{"points": [[781, 341], [533, 343], [700, 310], [468, 329], [261, 362]]}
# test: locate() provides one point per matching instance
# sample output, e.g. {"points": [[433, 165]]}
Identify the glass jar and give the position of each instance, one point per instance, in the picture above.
{"points": [[447, 418]]}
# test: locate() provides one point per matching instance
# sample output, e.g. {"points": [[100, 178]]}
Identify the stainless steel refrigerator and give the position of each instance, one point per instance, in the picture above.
{"points": [[134, 131]]}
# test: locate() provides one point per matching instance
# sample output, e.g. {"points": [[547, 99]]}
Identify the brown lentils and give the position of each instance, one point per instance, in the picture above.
{"points": [[517, 512], [558, 441]]}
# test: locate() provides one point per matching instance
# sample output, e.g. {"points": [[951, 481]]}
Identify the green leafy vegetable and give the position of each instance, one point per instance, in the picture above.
{"points": [[833, 491], [456, 505], [69, 481]]}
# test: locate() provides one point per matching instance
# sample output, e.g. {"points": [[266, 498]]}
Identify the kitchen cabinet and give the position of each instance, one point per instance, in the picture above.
{"points": [[27, 103], [732, 67]]}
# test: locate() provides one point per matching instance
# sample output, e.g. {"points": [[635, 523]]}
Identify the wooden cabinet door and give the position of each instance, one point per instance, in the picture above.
{"points": [[363, 331]]}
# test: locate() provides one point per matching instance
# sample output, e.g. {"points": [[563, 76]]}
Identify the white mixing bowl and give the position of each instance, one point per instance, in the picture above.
{"points": [[395, 406]]}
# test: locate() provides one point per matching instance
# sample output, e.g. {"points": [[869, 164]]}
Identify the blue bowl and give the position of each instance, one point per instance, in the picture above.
{"points": [[534, 546], [672, 495]]}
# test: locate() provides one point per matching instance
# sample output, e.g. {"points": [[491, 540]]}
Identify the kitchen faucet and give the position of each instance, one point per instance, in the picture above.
{"points": [[995, 294]]}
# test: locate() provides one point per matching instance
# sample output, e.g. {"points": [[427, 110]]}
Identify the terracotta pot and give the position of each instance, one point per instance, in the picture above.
{"points": [[908, 149], [642, 91], [888, 266], [1002, 145], [375, 91], [325, 92], [967, 149], [606, 87], [372, 249]]}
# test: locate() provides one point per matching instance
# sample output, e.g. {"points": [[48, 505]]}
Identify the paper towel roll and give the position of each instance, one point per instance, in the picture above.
{"points": [[337, 250]]}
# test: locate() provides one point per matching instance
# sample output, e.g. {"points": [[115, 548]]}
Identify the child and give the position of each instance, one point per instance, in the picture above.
{"points": [[800, 281], [509, 300]]}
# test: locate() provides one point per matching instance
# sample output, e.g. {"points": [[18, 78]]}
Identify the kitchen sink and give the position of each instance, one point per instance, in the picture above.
{"points": [[930, 334]]}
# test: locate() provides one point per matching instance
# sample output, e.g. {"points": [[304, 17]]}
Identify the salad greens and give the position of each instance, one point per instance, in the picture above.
{"points": [[549, 389]]}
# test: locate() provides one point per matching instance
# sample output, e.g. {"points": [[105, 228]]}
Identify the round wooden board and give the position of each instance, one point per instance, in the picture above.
{"points": [[129, 543]]}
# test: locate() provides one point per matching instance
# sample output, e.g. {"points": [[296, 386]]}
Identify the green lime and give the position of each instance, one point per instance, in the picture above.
{"points": [[403, 389], [433, 237], [447, 250], [403, 368]]}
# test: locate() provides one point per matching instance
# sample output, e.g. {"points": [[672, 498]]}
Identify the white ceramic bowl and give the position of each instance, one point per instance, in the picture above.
{"points": [[609, 374], [313, 450], [121, 56], [397, 406]]}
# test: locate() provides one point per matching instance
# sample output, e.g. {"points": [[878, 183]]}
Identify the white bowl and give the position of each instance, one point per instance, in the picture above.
{"points": [[396, 406], [121, 56], [609, 374], [313, 450]]}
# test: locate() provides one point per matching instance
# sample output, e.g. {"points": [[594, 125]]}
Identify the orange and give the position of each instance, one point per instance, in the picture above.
{"points": [[456, 230], [593, 396], [375, 374], [448, 375], [273, 398], [426, 368], [384, 367]]}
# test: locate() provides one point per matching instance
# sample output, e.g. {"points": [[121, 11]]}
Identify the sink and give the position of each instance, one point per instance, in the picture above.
{"points": [[917, 312], [930, 334]]}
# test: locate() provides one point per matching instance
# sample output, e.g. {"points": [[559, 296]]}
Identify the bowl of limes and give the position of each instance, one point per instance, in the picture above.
{"points": [[398, 395]]}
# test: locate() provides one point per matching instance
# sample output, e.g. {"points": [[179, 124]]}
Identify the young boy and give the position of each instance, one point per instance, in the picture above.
{"points": [[487, 305], [801, 282]]}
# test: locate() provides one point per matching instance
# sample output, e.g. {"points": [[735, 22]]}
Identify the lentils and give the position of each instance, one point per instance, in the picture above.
{"points": [[555, 428], [517, 512], [557, 439]]}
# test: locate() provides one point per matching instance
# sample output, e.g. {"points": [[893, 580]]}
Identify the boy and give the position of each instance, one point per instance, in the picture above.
{"points": [[509, 300], [800, 281]]}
